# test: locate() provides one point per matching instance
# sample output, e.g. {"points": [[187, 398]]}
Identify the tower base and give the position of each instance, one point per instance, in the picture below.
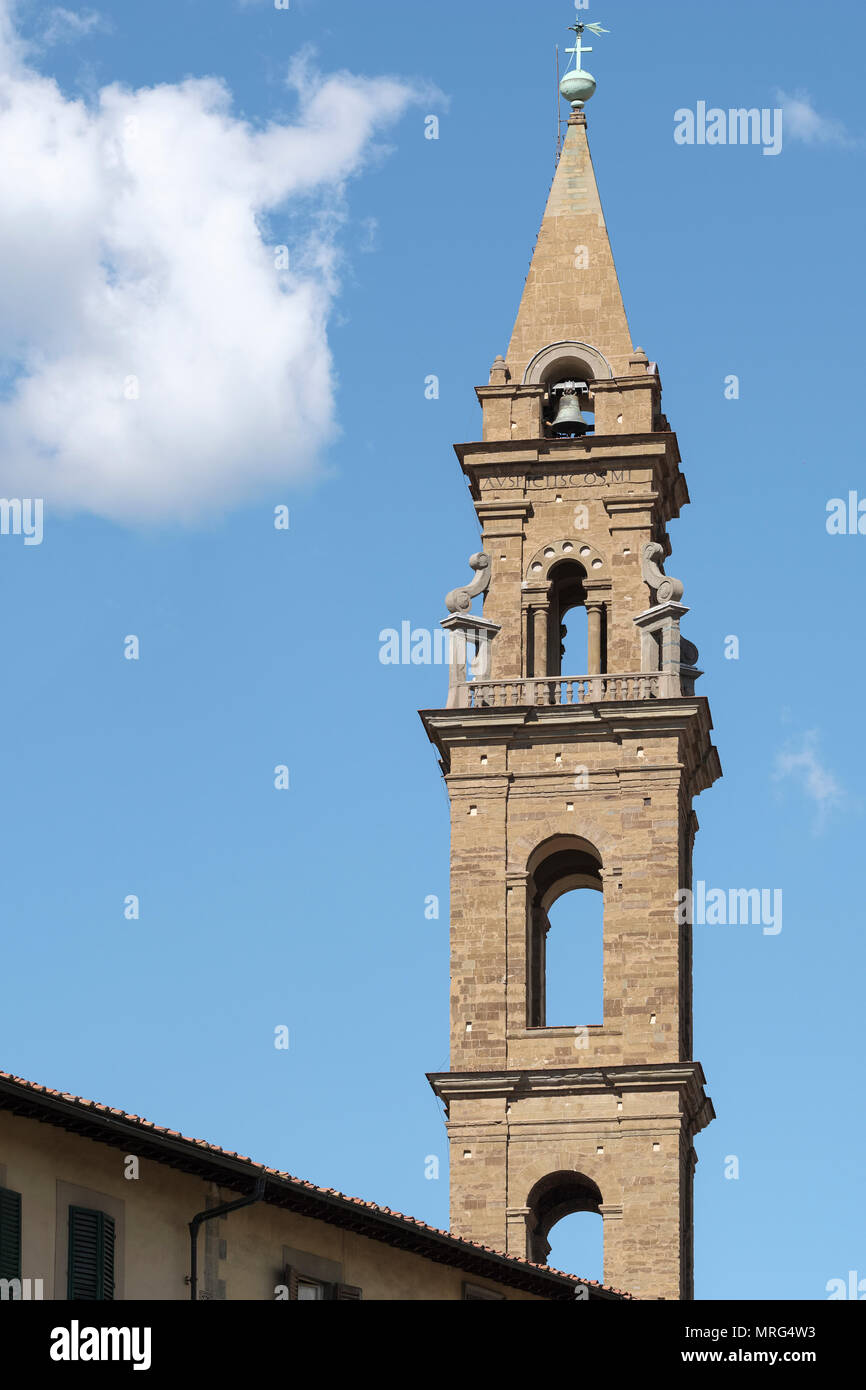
{"points": [[531, 1147]]}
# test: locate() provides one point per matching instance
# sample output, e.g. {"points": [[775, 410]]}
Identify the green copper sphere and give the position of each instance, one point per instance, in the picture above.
{"points": [[577, 87]]}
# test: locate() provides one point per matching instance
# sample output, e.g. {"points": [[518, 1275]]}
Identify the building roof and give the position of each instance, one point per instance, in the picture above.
{"points": [[107, 1125]]}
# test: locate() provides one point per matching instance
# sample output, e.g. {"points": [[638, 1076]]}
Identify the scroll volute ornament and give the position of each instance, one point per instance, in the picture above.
{"points": [[664, 588], [460, 600]]}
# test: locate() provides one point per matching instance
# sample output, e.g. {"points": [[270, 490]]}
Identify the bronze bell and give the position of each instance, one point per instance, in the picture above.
{"points": [[569, 420]]}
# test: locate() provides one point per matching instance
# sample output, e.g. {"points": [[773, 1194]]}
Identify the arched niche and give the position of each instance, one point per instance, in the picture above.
{"points": [[562, 361]]}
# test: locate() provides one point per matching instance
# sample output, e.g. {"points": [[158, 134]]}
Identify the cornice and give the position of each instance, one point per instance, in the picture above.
{"points": [[577, 452], [686, 1078], [607, 719], [687, 719]]}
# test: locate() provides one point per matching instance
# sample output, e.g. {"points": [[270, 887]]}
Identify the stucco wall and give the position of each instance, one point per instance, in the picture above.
{"points": [[50, 1167]]}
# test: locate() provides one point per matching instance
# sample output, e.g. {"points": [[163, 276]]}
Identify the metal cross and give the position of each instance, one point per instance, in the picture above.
{"points": [[579, 50]]}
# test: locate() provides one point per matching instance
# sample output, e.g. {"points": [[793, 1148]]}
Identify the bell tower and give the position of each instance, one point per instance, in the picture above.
{"points": [[570, 781]]}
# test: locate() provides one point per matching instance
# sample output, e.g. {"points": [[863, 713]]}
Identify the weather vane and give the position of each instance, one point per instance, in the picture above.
{"points": [[578, 85], [580, 29]]}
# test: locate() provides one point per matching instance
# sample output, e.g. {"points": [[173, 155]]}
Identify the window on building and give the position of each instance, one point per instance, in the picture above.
{"points": [[574, 964], [305, 1288], [572, 658], [308, 1292], [568, 639], [10, 1234], [90, 1260], [476, 1293], [565, 904]]}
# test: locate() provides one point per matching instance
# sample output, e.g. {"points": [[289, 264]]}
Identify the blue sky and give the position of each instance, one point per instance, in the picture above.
{"points": [[260, 647]]}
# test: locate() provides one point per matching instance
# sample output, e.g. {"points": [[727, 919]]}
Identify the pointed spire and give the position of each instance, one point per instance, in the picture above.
{"points": [[572, 292]]}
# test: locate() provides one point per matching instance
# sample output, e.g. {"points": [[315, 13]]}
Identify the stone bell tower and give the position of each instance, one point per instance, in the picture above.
{"points": [[562, 780]]}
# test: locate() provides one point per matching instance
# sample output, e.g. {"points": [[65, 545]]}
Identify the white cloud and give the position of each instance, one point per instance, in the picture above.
{"points": [[10, 43], [802, 763], [800, 121], [64, 26], [135, 243]]}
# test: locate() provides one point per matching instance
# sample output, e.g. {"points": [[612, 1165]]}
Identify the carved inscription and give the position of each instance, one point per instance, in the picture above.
{"points": [[517, 481]]}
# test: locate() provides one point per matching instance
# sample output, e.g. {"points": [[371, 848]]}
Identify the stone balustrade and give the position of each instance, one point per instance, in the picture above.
{"points": [[561, 690]]}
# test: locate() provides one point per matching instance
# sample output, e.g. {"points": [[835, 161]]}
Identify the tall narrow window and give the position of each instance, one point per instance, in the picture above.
{"points": [[574, 959], [10, 1234], [565, 935], [568, 639], [91, 1255], [574, 642]]}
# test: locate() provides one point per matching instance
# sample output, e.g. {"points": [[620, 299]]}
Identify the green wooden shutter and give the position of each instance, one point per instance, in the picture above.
{"points": [[91, 1255], [10, 1234], [345, 1292], [107, 1258]]}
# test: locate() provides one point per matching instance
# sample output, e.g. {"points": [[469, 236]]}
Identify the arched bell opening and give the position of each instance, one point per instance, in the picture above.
{"points": [[565, 612], [569, 411], [554, 1199], [569, 405], [567, 371]]}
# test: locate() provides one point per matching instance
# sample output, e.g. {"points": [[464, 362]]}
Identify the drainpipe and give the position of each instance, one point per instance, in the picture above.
{"points": [[208, 1215]]}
